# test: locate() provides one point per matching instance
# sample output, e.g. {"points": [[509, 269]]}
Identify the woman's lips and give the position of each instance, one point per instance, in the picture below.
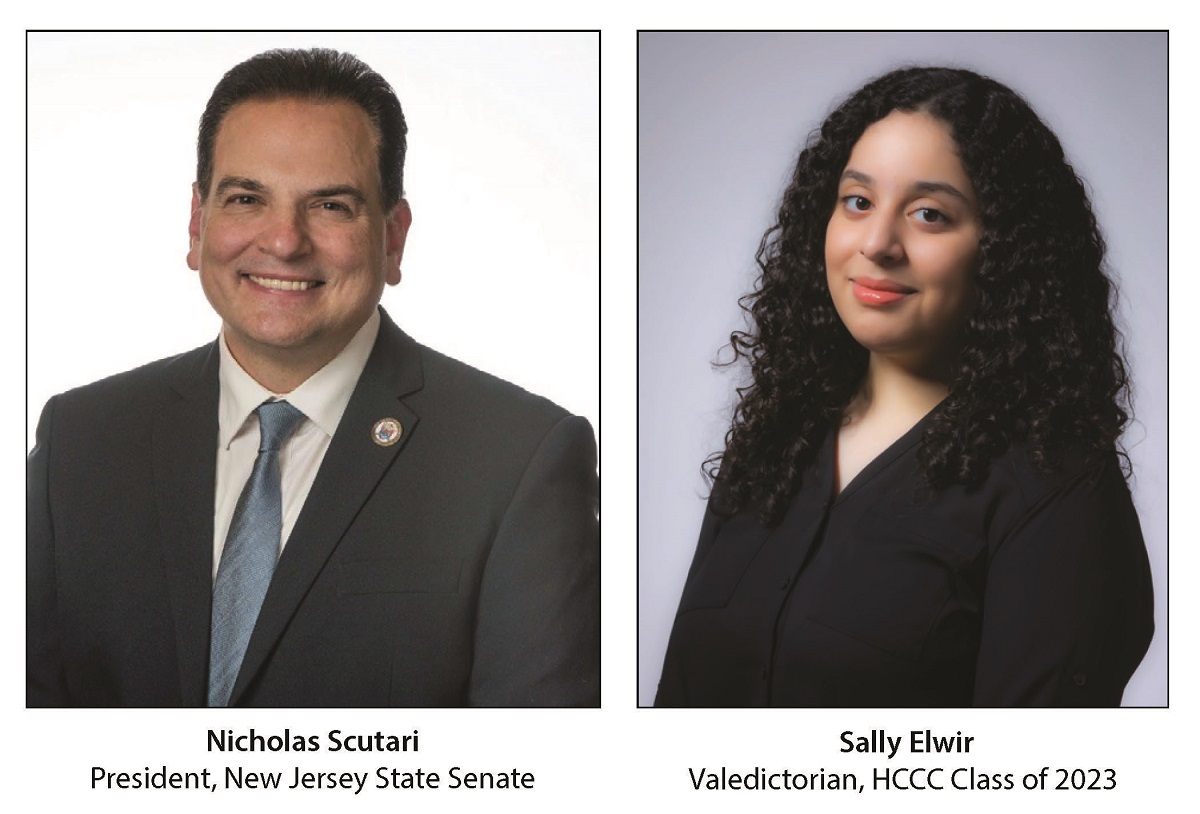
{"points": [[869, 291]]}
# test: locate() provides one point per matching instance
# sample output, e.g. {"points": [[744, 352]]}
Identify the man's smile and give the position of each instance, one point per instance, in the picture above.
{"points": [[282, 285]]}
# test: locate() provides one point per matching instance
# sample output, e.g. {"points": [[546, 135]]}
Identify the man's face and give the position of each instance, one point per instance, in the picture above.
{"points": [[292, 243]]}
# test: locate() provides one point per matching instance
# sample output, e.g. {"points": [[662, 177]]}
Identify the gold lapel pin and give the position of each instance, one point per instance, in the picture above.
{"points": [[386, 432]]}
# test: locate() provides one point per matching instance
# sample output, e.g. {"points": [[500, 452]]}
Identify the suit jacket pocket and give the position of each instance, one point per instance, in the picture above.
{"points": [[403, 575]]}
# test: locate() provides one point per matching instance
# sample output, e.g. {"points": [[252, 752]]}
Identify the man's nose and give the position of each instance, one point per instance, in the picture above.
{"points": [[285, 235]]}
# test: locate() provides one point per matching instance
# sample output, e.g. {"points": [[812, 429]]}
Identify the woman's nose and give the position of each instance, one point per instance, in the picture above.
{"points": [[882, 243]]}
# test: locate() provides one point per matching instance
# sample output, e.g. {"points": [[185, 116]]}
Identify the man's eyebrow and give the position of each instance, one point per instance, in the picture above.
{"points": [[237, 182], [923, 187], [339, 190]]}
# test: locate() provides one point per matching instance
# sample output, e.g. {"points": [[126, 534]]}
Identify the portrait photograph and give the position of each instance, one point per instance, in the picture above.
{"points": [[313, 396], [501, 174], [902, 369]]}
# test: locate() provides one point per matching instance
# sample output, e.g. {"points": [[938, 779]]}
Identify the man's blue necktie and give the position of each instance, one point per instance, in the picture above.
{"points": [[251, 549]]}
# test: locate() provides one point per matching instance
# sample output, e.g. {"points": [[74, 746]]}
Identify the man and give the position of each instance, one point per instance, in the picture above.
{"points": [[314, 510]]}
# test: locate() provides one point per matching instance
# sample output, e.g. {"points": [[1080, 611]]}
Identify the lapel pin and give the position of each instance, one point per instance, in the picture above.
{"points": [[386, 432]]}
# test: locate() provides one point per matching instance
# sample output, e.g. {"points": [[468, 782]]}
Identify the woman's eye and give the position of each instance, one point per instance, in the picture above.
{"points": [[856, 203], [930, 216]]}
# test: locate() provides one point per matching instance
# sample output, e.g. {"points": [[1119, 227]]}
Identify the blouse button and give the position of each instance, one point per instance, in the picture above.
{"points": [[1080, 679]]}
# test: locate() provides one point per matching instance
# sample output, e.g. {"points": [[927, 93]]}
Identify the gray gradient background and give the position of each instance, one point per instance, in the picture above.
{"points": [[721, 118]]}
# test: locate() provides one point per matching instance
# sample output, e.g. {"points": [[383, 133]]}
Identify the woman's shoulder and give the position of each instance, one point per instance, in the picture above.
{"points": [[1038, 474], [1073, 479]]}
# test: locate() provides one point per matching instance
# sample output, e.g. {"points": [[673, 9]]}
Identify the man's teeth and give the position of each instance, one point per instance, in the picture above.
{"points": [[283, 285]]}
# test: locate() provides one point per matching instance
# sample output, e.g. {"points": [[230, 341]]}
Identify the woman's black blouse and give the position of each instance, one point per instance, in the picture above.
{"points": [[1032, 589]]}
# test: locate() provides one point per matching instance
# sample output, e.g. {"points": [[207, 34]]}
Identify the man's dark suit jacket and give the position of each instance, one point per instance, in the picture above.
{"points": [[457, 567]]}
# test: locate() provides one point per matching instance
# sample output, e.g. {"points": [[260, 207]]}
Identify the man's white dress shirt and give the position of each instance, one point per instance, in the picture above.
{"points": [[322, 398]]}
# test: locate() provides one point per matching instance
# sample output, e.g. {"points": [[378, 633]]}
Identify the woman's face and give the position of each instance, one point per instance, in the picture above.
{"points": [[901, 245]]}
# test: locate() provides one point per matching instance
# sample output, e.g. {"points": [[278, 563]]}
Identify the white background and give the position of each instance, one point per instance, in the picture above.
{"points": [[501, 266], [620, 756]]}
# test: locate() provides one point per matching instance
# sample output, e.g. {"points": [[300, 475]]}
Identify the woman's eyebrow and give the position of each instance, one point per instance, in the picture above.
{"points": [[939, 186], [924, 187], [855, 175]]}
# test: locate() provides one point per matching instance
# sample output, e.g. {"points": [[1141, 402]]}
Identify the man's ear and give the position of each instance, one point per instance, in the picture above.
{"points": [[396, 230], [194, 226]]}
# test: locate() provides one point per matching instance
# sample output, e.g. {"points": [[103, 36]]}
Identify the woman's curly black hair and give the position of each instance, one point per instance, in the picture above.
{"points": [[1040, 362]]}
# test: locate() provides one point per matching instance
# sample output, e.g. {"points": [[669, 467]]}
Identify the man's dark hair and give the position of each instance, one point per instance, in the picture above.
{"points": [[320, 74]]}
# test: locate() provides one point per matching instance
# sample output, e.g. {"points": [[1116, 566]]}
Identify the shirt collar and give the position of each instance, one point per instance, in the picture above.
{"points": [[322, 397]]}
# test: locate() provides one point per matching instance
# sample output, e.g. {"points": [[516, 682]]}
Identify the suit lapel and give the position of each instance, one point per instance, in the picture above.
{"points": [[184, 455], [349, 474]]}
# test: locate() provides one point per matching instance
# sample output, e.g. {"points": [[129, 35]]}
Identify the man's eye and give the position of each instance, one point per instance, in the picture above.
{"points": [[241, 200], [335, 206]]}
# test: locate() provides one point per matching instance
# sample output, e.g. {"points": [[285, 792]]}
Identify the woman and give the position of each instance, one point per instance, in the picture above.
{"points": [[920, 502]]}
